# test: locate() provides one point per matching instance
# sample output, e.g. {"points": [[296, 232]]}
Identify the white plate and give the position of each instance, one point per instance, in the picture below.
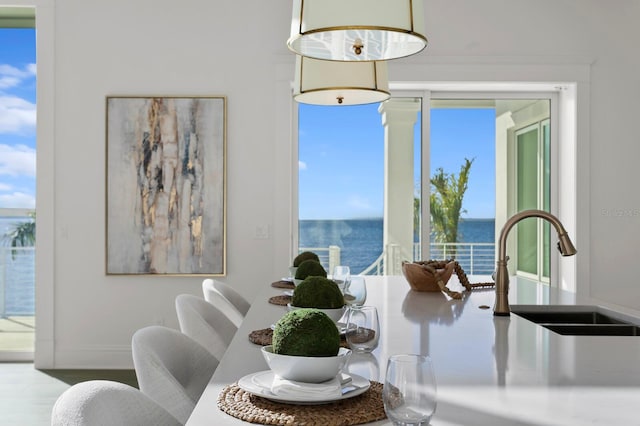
{"points": [[260, 384]]}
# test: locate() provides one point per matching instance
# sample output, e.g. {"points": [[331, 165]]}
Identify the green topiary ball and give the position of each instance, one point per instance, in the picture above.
{"points": [[305, 255], [317, 292], [310, 268], [306, 332]]}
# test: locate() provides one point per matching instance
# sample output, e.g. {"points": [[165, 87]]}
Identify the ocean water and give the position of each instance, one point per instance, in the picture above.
{"points": [[360, 240], [477, 231], [7, 223]]}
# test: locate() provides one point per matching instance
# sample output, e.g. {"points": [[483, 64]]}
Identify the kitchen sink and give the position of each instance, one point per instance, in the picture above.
{"points": [[568, 317], [594, 330], [579, 320]]}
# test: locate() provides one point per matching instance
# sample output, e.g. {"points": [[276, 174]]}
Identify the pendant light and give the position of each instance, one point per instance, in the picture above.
{"points": [[357, 30], [321, 82]]}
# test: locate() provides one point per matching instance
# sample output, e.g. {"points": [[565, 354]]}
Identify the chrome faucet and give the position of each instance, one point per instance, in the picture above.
{"points": [[565, 246]]}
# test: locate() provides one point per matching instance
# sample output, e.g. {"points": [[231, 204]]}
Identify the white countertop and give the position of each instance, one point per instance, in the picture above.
{"points": [[490, 370]]}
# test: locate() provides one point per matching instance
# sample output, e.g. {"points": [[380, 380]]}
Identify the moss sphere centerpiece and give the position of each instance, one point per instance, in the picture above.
{"points": [[319, 293], [306, 347], [308, 268], [305, 255], [306, 332]]}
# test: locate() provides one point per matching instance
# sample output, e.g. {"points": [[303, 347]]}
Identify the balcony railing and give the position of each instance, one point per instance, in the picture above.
{"points": [[17, 268], [474, 258], [17, 281]]}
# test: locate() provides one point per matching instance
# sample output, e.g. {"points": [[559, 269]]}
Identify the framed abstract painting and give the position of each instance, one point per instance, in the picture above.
{"points": [[166, 185]]}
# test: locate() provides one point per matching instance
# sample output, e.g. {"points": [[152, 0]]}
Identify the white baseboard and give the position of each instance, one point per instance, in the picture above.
{"points": [[16, 356]]}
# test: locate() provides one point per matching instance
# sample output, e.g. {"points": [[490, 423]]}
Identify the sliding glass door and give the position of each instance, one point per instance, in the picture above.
{"points": [[17, 182], [348, 174], [533, 192]]}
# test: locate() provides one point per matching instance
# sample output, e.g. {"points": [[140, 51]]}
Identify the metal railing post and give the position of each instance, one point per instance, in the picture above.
{"points": [[3, 282], [334, 258], [471, 260], [393, 260]]}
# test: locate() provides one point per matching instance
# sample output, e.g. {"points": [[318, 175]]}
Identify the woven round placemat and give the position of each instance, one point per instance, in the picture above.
{"points": [[261, 337], [280, 300], [264, 337], [360, 409], [283, 284]]}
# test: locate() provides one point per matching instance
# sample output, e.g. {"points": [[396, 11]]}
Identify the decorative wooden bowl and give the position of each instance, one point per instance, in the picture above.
{"points": [[424, 277]]}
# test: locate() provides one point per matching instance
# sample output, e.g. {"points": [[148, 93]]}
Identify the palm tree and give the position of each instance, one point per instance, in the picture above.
{"points": [[23, 234], [446, 202]]}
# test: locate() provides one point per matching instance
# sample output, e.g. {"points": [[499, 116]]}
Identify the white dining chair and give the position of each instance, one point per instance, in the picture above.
{"points": [[172, 369], [226, 299], [206, 323], [107, 403], [229, 292]]}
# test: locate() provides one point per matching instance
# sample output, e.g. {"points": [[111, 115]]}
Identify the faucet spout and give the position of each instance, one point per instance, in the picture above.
{"points": [[565, 246]]}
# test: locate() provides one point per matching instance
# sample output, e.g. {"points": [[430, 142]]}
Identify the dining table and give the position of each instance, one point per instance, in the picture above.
{"points": [[490, 370]]}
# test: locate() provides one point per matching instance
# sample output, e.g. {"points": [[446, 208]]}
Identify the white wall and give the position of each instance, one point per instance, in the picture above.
{"points": [[237, 49]]}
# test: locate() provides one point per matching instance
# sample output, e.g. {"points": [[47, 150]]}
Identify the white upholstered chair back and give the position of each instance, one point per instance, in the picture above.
{"points": [[232, 295], [172, 369], [232, 305], [107, 403], [205, 323]]}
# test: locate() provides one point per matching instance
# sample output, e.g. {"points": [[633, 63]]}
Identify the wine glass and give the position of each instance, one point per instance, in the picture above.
{"points": [[355, 293], [363, 364], [363, 329], [409, 390], [341, 276]]}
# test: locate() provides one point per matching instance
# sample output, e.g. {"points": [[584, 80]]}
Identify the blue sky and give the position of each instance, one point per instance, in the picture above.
{"points": [[341, 159], [341, 148], [17, 118], [457, 134]]}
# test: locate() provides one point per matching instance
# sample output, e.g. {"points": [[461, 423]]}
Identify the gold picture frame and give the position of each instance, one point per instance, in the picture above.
{"points": [[166, 185]]}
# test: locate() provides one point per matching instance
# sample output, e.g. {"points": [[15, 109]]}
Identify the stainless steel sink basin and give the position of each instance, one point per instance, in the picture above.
{"points": [[594, 330], [568, 317], [579, 320]]}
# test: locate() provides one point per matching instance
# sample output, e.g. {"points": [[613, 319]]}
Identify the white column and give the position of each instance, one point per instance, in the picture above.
{"points": [[398, 118], [504, 170]]}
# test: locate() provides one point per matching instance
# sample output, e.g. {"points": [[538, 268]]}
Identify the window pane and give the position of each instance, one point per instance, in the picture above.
{"points": [[546, 189], [18, 184], [344, 165], [463, 130], [527, 198], [341, 169]]}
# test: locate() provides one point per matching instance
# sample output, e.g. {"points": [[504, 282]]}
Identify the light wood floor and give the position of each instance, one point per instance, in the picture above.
{"points": [[27, 395], [17, 333]]}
